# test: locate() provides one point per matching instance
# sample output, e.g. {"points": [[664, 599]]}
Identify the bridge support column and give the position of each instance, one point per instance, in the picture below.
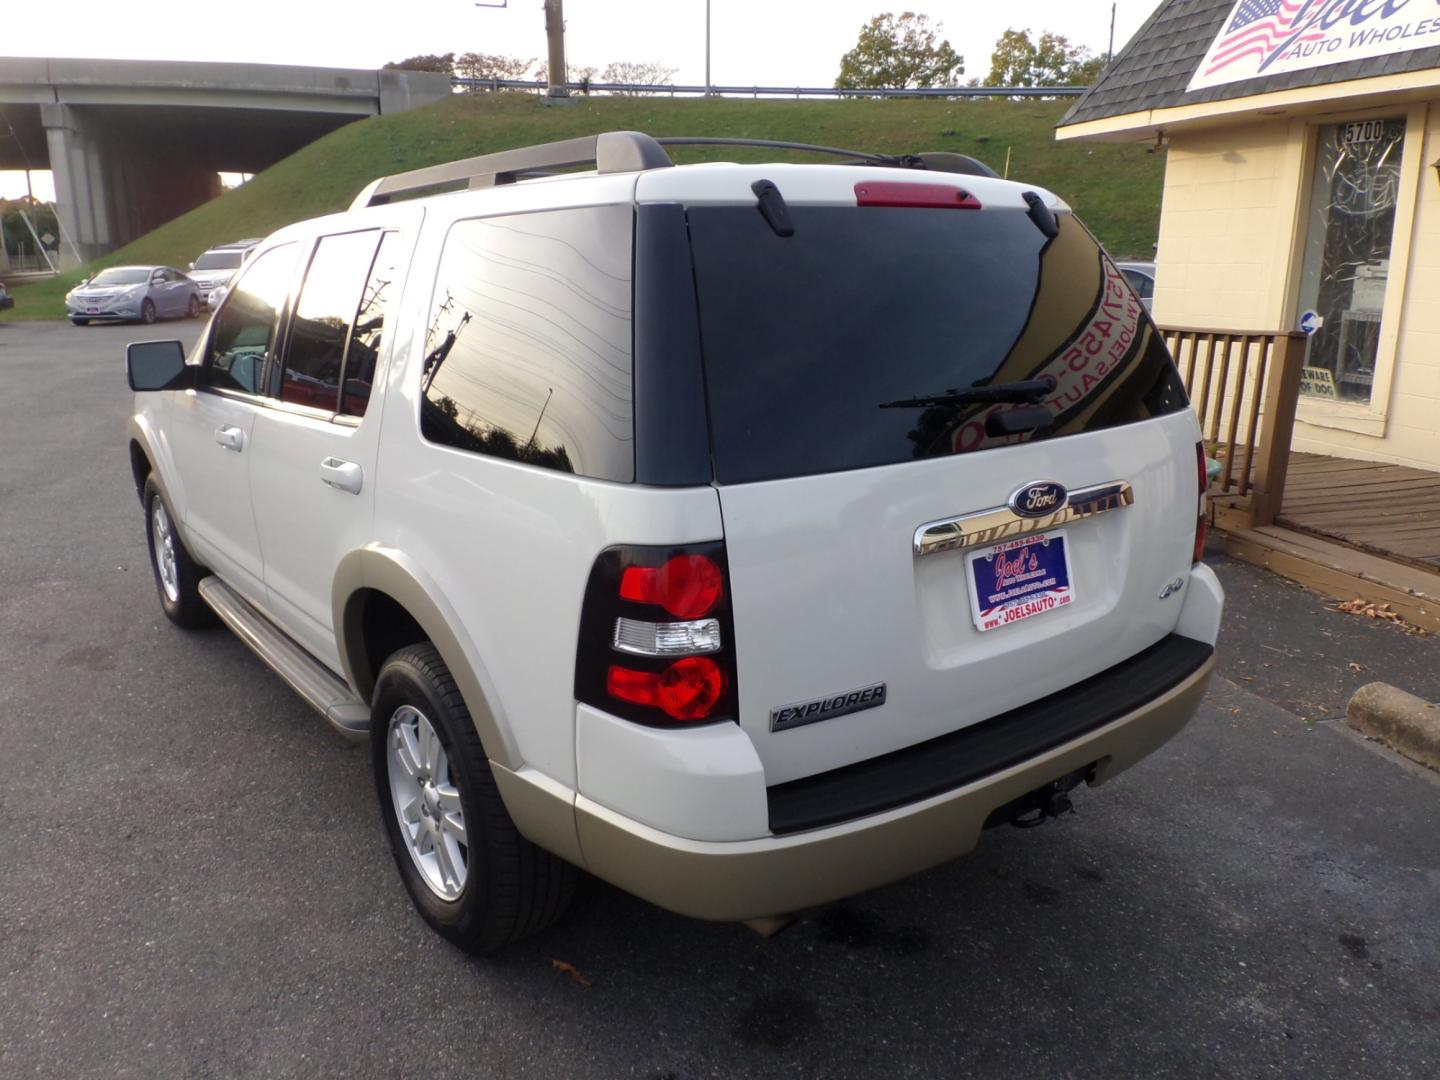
{"points": [[114, 184], [82, 201]]}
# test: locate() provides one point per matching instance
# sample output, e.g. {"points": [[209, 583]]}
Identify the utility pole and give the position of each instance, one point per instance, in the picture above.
{"points": [[707, 48], [1110, 53], [555, 36]]}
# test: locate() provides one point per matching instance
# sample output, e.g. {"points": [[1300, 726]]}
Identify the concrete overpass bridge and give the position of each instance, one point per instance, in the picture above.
{"points": [[134, 143]]}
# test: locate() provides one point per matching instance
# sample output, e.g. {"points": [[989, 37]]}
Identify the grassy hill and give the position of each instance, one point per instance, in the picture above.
{"points": [[1116, 189]]}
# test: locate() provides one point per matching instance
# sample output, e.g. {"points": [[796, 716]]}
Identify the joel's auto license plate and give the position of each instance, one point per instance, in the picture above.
{"points": [[1018, 579]]}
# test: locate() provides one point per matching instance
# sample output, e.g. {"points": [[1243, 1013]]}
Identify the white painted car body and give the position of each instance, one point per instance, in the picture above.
{"points": [[828, 592]]}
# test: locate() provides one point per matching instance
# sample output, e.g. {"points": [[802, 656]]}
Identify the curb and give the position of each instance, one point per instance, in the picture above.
{"points": [[1405, 723]]}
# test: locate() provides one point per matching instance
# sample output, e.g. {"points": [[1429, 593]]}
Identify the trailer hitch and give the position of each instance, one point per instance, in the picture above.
{"points": [[1045, 803]]}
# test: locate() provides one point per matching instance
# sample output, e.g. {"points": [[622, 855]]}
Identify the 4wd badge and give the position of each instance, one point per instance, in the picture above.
{"points": [[809, 712]]}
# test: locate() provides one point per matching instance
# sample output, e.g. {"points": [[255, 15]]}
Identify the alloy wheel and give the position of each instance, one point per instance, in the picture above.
{"points": [[163, 536], [427, 803]]}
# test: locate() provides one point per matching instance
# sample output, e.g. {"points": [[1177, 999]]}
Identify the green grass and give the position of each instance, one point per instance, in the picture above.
{"points": [[1116, 189]]}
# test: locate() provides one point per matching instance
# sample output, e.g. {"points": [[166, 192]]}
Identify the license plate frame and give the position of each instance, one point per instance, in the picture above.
{"points": [[1035, 578]]}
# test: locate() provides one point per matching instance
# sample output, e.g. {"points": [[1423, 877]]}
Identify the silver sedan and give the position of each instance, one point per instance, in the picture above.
{"points": [[134, 294]]}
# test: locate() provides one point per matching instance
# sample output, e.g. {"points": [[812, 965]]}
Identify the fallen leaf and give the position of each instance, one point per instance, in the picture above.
{"points": [[1353, 666], [1379, 612], [576, 975]]}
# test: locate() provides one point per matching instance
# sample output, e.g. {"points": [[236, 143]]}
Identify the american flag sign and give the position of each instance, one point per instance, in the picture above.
{"points": [[1261, 38]]}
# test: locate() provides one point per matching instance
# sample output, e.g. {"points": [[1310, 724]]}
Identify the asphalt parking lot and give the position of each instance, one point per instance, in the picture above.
{"points": [[194, 882]]}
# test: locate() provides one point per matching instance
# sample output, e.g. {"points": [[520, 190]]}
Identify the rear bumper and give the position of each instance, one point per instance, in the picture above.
{"points": [[752, 878]]}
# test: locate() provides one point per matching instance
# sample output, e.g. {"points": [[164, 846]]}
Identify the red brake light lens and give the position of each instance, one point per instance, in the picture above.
{"points": [[686, 690], [1202, 521], [687, 586], [919, 196]]}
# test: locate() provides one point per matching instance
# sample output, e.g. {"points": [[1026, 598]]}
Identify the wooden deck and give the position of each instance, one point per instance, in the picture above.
{"points": [[1342, 571], [1387, 510]]}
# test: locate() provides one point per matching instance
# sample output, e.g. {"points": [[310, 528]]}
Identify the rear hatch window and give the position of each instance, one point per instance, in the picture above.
{"points": [[806, 337]]}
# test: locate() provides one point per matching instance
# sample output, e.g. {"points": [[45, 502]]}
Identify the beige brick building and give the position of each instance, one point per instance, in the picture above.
{"points": [[1299, 192]]}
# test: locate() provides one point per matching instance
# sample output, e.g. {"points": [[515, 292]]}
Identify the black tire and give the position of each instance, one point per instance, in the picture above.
{"points": [[186, 608], [147, 312], [512, 888], [192, 309], [81, 322]]}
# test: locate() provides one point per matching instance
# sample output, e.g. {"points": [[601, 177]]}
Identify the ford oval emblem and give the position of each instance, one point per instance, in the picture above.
{"points": [[1039, 499]]}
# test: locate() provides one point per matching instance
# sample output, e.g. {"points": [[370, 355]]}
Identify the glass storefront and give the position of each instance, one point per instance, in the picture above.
{"points": [[1347, 254]]}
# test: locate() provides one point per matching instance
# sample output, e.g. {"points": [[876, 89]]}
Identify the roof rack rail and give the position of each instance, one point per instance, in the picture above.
{"points": [[609, 152], [621, 152], [860, 155], [936, 161]]}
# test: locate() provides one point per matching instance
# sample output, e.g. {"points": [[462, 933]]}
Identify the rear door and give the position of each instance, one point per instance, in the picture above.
{"points": [[881, 552], [313, 470]]}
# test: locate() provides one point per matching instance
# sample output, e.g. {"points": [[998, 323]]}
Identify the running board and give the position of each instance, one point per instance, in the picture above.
{"points": [[314, 682]]}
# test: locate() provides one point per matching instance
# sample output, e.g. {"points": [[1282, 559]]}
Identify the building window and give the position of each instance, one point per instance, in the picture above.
{"points": [[1349, 230]]}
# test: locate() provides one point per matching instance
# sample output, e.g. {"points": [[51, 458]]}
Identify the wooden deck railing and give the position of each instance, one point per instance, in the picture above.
{"points": [[1244, 386]]}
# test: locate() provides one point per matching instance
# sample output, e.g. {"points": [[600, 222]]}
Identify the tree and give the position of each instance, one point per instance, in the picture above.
{"points": [[582, 74], [898, 52], [444, 63], [1053, 61], [637, 73], [473, 65]]}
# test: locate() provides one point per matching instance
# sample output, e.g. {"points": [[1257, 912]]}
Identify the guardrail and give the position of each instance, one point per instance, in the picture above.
{"points": [[1245, 386], [773, 91]]}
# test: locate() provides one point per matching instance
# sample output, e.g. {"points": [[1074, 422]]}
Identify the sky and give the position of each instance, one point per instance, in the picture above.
{"points": [[765, 42]]}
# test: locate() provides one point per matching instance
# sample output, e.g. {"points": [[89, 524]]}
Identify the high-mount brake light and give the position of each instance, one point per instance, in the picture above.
{"points": [[688, 689], [687, 586], [1202, 522], [919, 196]]}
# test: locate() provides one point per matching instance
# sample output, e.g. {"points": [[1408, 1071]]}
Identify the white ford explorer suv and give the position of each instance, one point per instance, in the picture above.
{"points": [[745, 535]]}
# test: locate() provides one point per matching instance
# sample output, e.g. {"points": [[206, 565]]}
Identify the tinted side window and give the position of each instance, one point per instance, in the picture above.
{"points": [[244, 330], [380, 289], [321, 324], [528, 342]]}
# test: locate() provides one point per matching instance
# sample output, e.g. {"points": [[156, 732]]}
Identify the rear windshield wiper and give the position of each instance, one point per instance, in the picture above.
{"points": [[1026, 391]]}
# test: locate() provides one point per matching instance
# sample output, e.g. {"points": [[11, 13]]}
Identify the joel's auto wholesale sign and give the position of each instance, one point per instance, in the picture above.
{"points": [[1260, 38]]}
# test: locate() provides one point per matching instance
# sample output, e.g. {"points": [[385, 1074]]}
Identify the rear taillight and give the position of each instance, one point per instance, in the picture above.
{"points": [[688, 689], [1202, 523], [656, 635], [686, 586]]}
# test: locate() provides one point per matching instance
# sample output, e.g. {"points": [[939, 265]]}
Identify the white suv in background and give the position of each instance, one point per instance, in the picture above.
{"points": [[746, 535], [213, 271]]}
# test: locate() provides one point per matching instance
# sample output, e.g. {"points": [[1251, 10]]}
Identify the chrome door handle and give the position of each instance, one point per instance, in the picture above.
{"points": [[344, 475], [231, 438]]}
